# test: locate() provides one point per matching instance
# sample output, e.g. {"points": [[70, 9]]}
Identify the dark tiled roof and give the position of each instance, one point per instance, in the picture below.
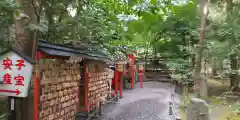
{"points": [[63, 50]]}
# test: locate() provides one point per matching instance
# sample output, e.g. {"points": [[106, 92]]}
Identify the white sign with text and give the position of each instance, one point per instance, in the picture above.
{"points": [[15, 75]]}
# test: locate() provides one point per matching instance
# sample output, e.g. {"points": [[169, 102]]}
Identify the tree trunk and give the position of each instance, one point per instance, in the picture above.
{"points": [[233, 58], [26, 41], [2, 39], [205, 67], [214, 68], [234, 66], [146, 53], [193, 56], [204, 14], [49, 14], [155, 63], [214, 72], [229, 4]]}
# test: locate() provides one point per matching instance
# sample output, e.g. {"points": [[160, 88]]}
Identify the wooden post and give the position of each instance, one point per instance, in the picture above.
{"points": [[36, 88], [132, 75], [85, 87], [101, 109], [116, 77], [11, 109], [131, 60], [121, 86], [141, 79]]}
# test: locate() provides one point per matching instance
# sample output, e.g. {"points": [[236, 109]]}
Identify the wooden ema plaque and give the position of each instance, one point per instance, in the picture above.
{"points": [[59, 90]]}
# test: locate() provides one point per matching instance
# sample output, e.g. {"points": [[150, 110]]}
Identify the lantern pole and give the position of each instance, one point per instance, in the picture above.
{"points": [[121, 85], [116, 80], [132, 59], [141, 78], [119, 77], [132, 76], [141, 73]]}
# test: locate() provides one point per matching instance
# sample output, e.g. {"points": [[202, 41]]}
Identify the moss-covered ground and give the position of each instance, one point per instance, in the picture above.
{"points": [[220, 109]]}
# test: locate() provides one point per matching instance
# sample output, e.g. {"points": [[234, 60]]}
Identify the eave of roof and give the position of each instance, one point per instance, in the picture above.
{"points": [[62, 50]]}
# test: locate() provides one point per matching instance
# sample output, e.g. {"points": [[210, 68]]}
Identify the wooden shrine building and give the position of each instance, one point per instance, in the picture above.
{"points": [[71, 80]]}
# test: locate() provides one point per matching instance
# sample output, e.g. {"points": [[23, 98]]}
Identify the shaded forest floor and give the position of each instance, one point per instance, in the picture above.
{"points": [[220, 107]]}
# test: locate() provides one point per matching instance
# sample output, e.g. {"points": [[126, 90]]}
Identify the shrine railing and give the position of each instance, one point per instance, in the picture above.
{"points": [[172, 107]]}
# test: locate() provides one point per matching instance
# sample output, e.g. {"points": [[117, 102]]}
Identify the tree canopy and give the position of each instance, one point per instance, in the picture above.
{"points": [[155, 28]]}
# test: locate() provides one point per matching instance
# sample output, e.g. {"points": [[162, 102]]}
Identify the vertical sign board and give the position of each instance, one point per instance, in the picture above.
{"points": [[15, 74]]}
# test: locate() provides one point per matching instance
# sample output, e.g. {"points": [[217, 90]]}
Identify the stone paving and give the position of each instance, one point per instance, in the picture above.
{"points": [[148, 103]]}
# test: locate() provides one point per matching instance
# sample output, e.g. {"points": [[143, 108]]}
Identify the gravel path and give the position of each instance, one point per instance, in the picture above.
{"points": [[148, 103]]}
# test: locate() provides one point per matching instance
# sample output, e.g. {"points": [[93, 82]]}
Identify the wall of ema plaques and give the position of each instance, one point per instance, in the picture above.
{"points": [[97, 85], [58, 90]]}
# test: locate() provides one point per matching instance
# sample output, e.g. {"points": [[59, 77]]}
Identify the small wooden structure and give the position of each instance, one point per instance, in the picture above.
{"points": [[157, 70], [61, 86], [93, 87]]}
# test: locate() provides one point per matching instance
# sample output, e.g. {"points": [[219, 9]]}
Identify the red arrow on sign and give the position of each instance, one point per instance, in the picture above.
{"points": [[11, 91]]}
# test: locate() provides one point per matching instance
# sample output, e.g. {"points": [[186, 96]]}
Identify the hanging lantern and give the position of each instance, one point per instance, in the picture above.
{"points": [[120, 65], [140, 66]]}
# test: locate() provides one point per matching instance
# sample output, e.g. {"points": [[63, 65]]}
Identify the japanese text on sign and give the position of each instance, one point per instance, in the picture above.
{"points": [[7, 78]]}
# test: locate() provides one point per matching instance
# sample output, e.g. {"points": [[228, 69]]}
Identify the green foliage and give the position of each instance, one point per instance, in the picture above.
{"points": [[99, 22], [223, 36], [155, 28], [7, 8]]}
